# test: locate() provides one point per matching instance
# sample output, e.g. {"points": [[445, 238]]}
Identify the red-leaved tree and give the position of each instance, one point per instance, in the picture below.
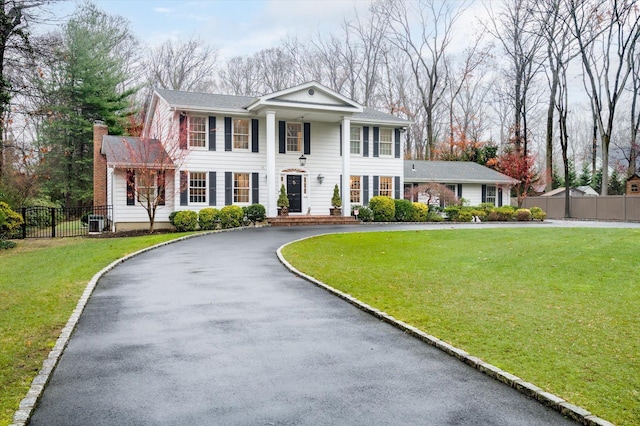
{"points": [[514, 163]]}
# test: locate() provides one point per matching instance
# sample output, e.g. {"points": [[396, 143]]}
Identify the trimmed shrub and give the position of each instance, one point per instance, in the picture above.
{"points": [[505, 213], [231, 217], [434, 217], [172, 216], [522, 215], [6, 244], [538, 214], [185, 220], [208, 218], [383, 208], [420, 212], [10, 221], [365, 214], [481, 214], [465, 216], [452, 212], [256, 213], [404, 210]]}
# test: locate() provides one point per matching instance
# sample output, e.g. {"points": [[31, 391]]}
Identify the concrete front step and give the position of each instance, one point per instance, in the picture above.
{"points": [[312, 220]]}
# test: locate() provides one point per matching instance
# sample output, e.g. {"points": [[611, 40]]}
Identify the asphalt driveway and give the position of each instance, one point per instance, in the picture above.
{"points": [[215, 331]]}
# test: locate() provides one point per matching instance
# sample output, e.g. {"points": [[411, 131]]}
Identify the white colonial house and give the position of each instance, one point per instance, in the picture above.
{"points": [[473, 182], [239, 150]]}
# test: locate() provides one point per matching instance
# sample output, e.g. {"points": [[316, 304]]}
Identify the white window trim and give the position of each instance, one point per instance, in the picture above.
{"points": [[380, 143], [380, 185], [233, 177], [353, 140], [139, 188], [233, 135], [206, 133], [300, 141], [206, 189], [359, 190], [494, 196]]}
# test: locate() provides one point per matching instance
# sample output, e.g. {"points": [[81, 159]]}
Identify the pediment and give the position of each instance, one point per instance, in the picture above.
{"points": [[312, 96]]}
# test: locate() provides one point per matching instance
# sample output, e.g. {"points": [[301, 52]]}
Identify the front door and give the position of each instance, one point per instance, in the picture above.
{"points": [[294, 192]]}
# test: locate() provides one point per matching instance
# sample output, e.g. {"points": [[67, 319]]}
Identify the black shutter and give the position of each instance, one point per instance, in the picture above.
{"points": [[255, 188], [227, 134], [228, 188], [184, 189], [182, 135], [499, 197], [376, 141], [341, 185], [396, 190], [365, 141], [212, 188], [365, 190], [131, 187], [341, 140], [459, 190], [484, 193], [212, 133], [282, 134], [397, 143], [160, 182], [376, 186], [254, 135], [307, 138]]}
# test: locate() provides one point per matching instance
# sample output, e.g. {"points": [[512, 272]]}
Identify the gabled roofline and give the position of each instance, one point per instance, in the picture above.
{"points": [[270, 99]]}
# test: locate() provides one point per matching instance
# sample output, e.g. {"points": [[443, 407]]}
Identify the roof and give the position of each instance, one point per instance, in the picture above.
{"points": [[453, 172], [127, 151], [584, 190], [208, 102]]}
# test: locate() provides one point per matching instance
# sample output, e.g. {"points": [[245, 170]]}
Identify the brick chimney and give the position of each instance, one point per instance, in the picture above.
{"points": [[99, 165]]}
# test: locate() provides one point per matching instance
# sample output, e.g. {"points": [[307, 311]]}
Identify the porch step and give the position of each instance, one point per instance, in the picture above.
{"points": [[312, 220]]}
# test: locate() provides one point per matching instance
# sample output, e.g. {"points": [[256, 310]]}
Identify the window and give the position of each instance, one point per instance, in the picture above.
{"points": [[634, 187], [240, 133], [355, 189], [197, 132], [386, 142], [491, 194], [294, 137], [241, 187], [386, 186], [355, 140], [197, 187], [146, 184]]}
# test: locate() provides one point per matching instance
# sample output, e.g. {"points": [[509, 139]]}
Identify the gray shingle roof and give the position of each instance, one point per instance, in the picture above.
{"points": [[452, 172], [213, 102], [127, 151], [204, 100]]}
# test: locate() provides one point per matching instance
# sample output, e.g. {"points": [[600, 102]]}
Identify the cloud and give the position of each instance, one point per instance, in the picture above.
{"points": [[162, 10]]}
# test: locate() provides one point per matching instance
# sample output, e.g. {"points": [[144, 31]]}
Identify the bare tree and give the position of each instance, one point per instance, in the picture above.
{"points": [[634, 112], [513, 26], [238, 77], [423, 30], [606, 32], [187, 65]]}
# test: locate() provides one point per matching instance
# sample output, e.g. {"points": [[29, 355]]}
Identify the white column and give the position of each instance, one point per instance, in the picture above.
{"points": [[272, 209], [346, 170]]}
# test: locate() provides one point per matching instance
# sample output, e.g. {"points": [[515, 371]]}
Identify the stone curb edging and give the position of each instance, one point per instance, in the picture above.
{"points": [[567, 409], [22, 416]]}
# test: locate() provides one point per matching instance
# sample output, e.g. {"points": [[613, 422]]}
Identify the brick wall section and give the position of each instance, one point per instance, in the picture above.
{"points": [[99, 165]]}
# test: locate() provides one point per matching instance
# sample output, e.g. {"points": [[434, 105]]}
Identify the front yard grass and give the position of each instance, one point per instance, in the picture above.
{"points": [[557, 307], [40, 284]]}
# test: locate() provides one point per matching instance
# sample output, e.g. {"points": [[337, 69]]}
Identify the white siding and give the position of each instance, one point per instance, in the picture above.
{"points": [[137, 213]]}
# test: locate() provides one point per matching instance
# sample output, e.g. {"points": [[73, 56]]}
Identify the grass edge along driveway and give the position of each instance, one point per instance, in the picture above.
{"points": [[556, 307], [41, 281]]}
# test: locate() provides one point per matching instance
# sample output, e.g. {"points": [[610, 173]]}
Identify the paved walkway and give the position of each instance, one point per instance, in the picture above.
{"points": [[215, 331]]}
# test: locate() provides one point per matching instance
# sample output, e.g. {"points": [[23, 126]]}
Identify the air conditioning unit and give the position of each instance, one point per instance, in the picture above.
{"points": [[96, 223]]}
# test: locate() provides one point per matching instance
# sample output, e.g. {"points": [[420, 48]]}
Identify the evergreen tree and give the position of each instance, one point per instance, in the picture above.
{"points": [[573, 176], [557, 180], [616, 186], [82, 85], [597, 180], [585, 175]]}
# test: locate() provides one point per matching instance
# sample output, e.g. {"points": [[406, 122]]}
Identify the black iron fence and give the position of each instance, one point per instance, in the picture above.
{"points": [[51, 222]]}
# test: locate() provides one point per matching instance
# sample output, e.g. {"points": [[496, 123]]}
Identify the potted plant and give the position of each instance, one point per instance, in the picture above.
{"points": [[336, 202], [283, 202]]}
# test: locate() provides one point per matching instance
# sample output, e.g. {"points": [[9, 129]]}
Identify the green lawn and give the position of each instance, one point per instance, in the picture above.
{"points": [[557, 307], [40, 284]]}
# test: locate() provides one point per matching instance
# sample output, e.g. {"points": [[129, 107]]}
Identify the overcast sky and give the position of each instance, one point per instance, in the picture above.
{"points": [[236, 27], [242, 27]]}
